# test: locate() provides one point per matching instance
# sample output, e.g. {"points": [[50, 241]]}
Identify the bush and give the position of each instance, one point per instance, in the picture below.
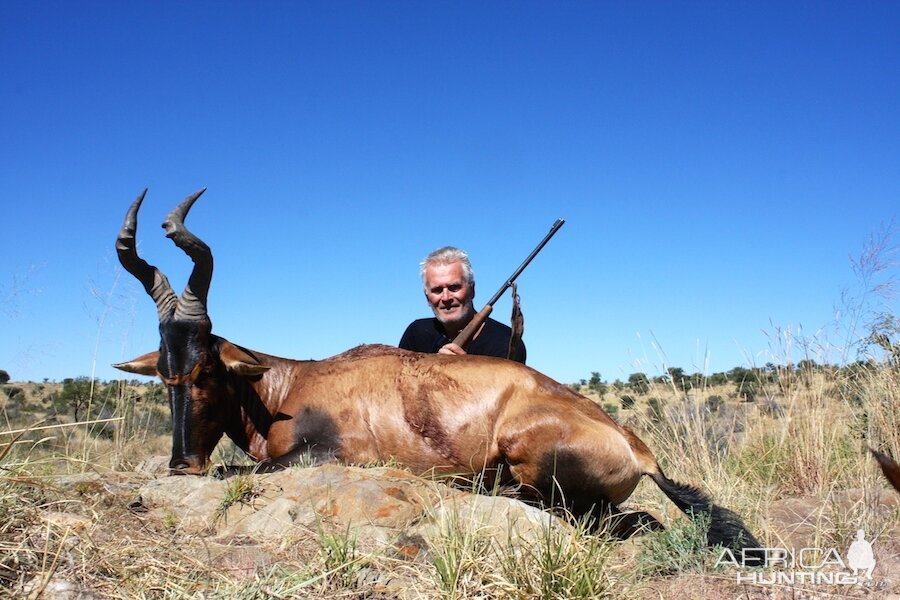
{"points": [[639, 383], [748, 390], [654, 410], [612, 409], [596, 384], [681, 548], [13, 391], [771, 409], [76, 395], [717, 379], [4, 376], [15, 403], [714, 403], [626, 401]]}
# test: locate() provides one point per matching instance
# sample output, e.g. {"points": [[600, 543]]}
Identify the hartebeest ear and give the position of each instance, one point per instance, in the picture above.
{"points": [[143, 365], [239, 361]]}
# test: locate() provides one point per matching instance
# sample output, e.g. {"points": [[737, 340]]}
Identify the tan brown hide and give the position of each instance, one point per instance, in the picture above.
{"points": [[446, 414]]}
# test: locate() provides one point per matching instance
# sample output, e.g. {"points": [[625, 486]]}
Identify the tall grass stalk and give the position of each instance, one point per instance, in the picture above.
{"points": [[457, 555], [561, 563]]}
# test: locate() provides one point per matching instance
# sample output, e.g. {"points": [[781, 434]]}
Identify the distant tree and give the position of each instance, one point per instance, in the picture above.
{"points": [[4, 376], [595, 383], [697, 380], [76, 395], [156, 393], [858, 369], [746, 382], [717, 379], [639, 383], [738, 373], [771, 373], [807, 365], [677, 377]]}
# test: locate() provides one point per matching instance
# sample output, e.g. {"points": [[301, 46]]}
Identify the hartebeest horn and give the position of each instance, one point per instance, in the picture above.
{"points": [[192, 304], [154, 282]]}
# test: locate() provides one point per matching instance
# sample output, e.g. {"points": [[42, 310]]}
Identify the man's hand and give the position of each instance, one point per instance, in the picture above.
{"points": [[452, 348]]}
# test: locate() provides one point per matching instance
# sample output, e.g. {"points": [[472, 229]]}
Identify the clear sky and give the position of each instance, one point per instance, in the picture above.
{"points": [[717, 164]]}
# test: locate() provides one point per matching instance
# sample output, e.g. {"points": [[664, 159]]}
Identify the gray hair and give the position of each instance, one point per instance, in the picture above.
{"points": [[446, 256]]}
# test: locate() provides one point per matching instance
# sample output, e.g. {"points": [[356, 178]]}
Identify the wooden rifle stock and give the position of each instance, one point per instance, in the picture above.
{"points": [[465, 336]]}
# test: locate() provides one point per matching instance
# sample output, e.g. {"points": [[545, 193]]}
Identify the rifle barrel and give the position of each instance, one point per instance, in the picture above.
{"points": [[468, 332], [559, 223]]}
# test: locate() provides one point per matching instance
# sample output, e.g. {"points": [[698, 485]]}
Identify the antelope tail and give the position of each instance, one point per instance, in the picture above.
{"points": [[725, 527], [890, 468]]}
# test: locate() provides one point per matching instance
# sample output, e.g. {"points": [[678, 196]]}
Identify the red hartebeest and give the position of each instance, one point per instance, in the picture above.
{"points": [[430, 412]]}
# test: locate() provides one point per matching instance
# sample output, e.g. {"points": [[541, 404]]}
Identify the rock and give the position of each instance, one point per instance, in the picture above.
{"points": [[66, 521], [155, 466], [192, 502], [60, 589], [503, 520], [380, 507]]}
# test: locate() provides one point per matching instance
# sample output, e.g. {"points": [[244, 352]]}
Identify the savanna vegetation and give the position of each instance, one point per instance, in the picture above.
{"points": [[770, 442], [752, 437]]}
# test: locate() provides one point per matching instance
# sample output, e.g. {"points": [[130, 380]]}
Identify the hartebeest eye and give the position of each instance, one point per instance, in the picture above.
{"points": [[201, 380], [199, 376]]}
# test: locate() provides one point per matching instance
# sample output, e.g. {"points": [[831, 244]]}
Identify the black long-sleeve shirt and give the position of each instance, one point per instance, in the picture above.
{"points": [[428, 335]]}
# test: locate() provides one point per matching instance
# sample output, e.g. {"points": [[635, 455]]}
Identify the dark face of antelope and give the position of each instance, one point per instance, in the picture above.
{"points": [[187, 360], [188, 367]]}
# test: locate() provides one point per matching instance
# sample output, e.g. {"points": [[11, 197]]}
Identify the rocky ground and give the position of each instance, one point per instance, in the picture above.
{"points": [[144, 534]]}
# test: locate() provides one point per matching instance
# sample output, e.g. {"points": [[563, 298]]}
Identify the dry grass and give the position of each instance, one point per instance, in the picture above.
{"points": [[806, 436]]}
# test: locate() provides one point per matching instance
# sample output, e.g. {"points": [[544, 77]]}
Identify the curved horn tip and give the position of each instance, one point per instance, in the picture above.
{"points": [[137, 201], [129, 227], [179, 213], [190, 199]]}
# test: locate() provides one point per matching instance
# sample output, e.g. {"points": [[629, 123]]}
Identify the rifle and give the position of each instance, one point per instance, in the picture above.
{"points": [[465, 336]]}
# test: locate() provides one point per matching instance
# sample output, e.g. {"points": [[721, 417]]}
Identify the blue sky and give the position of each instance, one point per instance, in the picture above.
{"points": [[717, 164]]}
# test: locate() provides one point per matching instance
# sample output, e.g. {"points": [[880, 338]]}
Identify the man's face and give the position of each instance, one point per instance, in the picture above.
{"points": [[449, 294]]}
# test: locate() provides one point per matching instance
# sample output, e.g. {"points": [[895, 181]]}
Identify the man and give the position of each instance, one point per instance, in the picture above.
{"points": [[450, 291]]}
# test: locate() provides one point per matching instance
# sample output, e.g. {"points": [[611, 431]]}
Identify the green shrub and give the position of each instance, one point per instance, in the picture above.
{"points": [[612, 409], [655, 410], [12, 392], [714, 403], [639, 383], [596, 383], [681, 548]]}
